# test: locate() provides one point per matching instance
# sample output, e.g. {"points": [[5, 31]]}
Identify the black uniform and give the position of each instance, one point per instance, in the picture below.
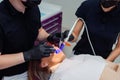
{"points": [[18, 32], [103, 28]]}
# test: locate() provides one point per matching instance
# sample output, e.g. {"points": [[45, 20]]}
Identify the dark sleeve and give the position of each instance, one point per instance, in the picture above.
{"points": [[37, 15], [34, 17], [82, 10], [1, 39]]}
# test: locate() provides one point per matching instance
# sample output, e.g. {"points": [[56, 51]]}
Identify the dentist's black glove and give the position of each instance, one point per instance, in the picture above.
{"points": [[38, 52], [56, 37], [65, 34]]}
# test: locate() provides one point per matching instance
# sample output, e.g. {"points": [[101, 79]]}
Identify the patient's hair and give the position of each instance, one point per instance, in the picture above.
{"points": [[35, 72]]}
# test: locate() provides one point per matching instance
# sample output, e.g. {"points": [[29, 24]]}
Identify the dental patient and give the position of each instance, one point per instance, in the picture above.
{"points": [[57, 67]]}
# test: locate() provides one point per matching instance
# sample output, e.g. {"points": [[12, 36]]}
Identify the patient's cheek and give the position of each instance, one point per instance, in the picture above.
{"points": [[57, 57]]}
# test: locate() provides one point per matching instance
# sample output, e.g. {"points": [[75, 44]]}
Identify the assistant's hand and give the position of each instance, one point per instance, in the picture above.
{"points": [[38, 52], [54, 38], [65, 34]]}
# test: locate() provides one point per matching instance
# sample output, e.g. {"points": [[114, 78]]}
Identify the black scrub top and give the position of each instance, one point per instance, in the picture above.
{"points": [[103, 28], [18, 32]]}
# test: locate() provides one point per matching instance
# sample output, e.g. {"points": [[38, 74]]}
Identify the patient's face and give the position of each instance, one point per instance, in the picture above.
{"points": [[54, 58]]}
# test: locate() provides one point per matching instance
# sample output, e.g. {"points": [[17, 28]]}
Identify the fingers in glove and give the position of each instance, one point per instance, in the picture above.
{"points": [[65, 34], [49, 50], [46, 54]]}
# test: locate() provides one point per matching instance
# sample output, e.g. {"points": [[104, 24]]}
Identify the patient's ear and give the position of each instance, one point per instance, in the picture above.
{"points": [[44, 64]]}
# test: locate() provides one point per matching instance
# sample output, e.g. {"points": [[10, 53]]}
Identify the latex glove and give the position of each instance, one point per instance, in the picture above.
{"points": [[38, 52], [65, 34], [54, 38]]}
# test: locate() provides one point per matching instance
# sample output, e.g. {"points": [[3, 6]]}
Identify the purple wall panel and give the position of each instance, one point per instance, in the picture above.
{"points": [[53, 24]]}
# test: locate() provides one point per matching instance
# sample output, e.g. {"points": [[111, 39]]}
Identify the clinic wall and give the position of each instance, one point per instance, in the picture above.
{"points": [[69, 8]]}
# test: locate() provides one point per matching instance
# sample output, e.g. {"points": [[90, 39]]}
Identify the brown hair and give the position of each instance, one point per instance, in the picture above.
{"points": [[35, 72]]}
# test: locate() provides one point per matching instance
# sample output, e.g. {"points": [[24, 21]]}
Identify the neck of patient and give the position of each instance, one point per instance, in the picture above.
{"points": [[54, 67]]}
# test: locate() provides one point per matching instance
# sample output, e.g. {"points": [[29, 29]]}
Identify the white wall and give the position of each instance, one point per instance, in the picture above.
{"points": [[69, 8]]}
